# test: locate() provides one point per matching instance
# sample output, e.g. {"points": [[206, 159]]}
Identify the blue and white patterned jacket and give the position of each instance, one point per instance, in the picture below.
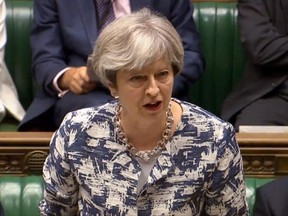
{"points": [[88, 172]]}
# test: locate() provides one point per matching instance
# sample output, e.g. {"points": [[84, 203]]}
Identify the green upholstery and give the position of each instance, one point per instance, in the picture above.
{"points": [[21, 195], [18, 54], [225, 59], [217, 25]]}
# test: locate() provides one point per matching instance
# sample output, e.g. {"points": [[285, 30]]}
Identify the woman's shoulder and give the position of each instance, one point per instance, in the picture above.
{"points": [[92, 116], [197, 113], [198, 119], [203, 130]]}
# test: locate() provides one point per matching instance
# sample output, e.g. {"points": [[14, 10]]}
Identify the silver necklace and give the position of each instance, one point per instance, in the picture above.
{"points": [[147, 154]]}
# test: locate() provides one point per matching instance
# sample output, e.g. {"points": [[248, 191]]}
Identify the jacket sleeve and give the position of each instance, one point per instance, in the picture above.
{"points": [[1, 210], [226, 193], [181, 17], [60, 185], [48, 52], [63, 35], [261, 207], [265, 44]]}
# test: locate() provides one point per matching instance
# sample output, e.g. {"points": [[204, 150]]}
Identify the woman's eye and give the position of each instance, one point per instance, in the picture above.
{"points": [[163, 75], [136, 78], [137, 81]]}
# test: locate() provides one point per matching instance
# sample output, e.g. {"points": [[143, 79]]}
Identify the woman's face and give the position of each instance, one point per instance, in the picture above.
{"points": [[145, 93]]}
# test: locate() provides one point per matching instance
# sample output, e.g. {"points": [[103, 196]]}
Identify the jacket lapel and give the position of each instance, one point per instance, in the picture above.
{"points": [[161, 169], [88, 14]]}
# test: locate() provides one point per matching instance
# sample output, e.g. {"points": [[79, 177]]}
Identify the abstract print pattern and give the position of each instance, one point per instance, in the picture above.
{"points": [[89, 172]]}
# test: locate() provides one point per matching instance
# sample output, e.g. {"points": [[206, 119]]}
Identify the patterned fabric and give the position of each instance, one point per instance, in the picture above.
{"points": [[88, 172], [105, 13]]}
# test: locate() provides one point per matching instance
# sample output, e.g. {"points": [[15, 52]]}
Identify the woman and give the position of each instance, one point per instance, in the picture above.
{"points": [[144, 153]]}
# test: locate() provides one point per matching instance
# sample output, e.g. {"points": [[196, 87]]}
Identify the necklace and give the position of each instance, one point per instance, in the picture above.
{"points": [[147, 154]]}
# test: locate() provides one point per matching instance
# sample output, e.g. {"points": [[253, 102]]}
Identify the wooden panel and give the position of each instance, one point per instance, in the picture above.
{"points": [[31, 138], [264, 154], [23, 153]]}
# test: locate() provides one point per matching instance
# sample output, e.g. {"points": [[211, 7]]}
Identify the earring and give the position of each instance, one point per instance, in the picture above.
{"points": [[114, 94]]}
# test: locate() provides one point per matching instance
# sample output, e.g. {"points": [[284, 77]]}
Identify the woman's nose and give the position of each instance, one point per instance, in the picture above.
{"points": [[152, 87]]}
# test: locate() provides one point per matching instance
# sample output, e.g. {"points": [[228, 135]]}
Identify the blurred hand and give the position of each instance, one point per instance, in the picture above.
{"points": [[76, 79]]}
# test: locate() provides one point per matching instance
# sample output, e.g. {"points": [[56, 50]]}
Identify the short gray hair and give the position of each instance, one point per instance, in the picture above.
{"points": [[134, 41]]}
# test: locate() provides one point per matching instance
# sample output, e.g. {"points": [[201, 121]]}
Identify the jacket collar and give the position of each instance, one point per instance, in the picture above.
{"points": [[160, 170]]}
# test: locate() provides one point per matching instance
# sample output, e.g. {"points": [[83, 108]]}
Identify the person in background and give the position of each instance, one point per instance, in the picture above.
{"points": [[62, 38], [261, 96], [271, 199], [9, 103], [112, 160], [1, 210]]}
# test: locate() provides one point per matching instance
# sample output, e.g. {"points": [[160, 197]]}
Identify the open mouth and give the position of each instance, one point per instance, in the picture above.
{"points": [[153, 105]]}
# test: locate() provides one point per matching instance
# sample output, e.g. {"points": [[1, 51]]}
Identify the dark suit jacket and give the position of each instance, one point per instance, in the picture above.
{"points": [[1, 210], [64, 33], [263, 28], [272, 199]]}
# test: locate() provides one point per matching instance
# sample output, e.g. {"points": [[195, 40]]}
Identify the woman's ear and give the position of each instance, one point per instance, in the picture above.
{"points": [[113, 90]]}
